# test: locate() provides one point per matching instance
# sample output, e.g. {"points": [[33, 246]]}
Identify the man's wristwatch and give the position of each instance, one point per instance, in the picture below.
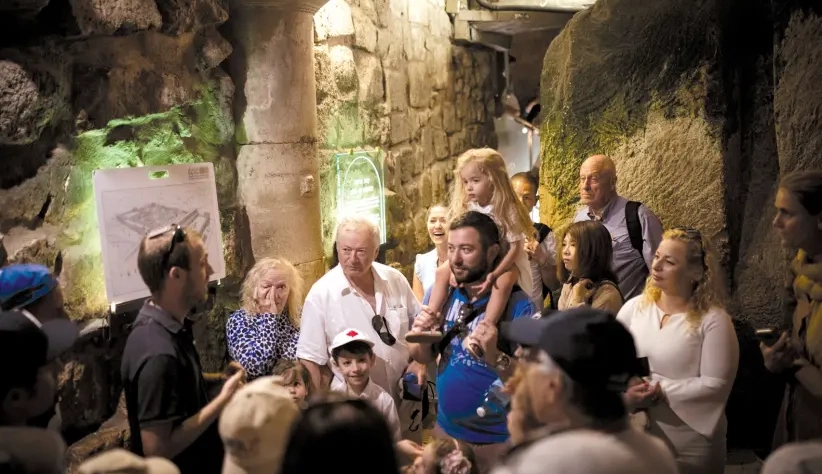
{"points": [[503, 362]]}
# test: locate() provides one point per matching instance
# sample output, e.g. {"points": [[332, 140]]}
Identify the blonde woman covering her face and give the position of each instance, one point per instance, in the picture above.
{"points": [[681, 326], [266, 328]]}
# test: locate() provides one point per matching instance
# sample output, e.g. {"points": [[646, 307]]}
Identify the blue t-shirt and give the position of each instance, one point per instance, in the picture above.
{"points": [[463, 380]]}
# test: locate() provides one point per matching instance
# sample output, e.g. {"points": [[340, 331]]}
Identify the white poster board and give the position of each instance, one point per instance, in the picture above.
{"points": [[131, 202]]}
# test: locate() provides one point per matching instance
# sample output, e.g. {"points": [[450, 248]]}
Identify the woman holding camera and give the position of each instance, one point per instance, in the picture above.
{"points": [[797, 354]]}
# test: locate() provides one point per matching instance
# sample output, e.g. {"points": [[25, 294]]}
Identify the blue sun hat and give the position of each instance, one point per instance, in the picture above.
{"points": [[24, 284]]}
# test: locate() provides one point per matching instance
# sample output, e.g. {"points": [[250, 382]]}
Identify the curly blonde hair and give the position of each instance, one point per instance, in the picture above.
{"points": [[296, 287], [508, 209], [709, 291]]}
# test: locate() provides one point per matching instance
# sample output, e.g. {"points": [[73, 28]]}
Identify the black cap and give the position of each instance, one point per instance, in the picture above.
{"points": [[590, 345], [24, 340]]}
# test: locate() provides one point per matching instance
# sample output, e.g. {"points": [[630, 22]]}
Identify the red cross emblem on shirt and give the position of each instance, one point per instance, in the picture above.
{"points": [[351, 333]]}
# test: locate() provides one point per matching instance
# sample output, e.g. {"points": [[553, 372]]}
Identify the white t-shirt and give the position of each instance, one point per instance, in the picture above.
{"points": [[332, 305], [593, 452], [425, 267], [381, 400]]}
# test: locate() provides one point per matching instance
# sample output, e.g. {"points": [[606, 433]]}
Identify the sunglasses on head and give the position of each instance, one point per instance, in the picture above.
{"points": [[693, 234], [690, 232], [381, 326], [178, 238]]}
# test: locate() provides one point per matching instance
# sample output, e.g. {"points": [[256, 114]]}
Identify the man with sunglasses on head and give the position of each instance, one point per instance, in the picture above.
{"points": [[359, 293], [169, 412], [468, 367]]}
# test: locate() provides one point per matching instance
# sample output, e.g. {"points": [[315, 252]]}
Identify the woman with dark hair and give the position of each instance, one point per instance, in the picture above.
{"points": [[797, 354], [584, 264], [340, 435]]}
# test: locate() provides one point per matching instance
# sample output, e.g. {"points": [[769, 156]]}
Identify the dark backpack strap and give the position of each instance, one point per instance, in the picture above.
{"points": [[542, 231], [502, 344], [634, 227], [459, 324]]}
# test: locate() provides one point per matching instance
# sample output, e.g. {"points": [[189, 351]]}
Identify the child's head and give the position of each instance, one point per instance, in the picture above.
{"points": [[353, 353], [585, 252], [482, 177], [446, 456], [295, 378]]}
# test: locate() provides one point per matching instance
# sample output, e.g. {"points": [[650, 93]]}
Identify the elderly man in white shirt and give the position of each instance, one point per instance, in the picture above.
{"points": [[362, 294]]}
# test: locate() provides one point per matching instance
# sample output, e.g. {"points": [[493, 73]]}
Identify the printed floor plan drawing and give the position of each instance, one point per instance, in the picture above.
{"points": [[131, 205]]}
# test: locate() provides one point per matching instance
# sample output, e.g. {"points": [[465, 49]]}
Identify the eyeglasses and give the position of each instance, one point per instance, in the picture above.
{"points": [[381, 326], [178, 238]]}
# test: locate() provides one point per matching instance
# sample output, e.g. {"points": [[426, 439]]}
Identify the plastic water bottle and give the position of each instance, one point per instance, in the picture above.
{"points": [[496, 401]]}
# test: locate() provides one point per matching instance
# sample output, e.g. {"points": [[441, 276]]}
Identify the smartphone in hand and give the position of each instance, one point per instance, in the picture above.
{"points": [[768, 336]]}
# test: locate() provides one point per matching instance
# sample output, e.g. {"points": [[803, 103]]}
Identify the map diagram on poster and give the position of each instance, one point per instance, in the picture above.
{"points": [[360, 187], [131, 202]]}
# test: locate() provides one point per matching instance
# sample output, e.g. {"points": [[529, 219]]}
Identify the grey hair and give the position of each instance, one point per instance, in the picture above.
{"points": [[359, 222], [547, 366]]}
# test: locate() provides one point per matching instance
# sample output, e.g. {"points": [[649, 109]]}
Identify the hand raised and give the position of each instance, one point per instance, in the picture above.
{"points": [[779, 356], [426, 320]]}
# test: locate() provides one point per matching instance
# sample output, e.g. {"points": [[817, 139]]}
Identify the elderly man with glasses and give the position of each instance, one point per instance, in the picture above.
{"points": [[635, 231], [169, 412], [469, 366], [567, 411], [365, 295]]}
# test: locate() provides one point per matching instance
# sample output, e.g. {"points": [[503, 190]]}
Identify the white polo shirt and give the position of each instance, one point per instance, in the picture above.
{"points": [[380, 399], [333, 305]]}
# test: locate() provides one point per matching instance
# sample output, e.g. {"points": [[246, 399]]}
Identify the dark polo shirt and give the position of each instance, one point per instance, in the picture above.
{"points": [[163, 381]]}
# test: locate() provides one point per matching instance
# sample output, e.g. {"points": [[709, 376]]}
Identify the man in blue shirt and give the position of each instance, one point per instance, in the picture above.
{"points": [[464, 378]]}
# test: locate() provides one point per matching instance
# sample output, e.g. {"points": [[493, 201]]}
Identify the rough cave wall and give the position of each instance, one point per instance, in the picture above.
{"points": [[100, 84], [702, 108], [388, 77]]}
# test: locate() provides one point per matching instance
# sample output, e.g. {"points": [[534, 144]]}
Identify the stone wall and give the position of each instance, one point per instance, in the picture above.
{"points": [[702, 108], [100, 84], [389, 78]]}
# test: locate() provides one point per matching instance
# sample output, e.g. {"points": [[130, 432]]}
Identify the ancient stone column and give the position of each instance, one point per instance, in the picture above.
{"points": [[276, 111]]}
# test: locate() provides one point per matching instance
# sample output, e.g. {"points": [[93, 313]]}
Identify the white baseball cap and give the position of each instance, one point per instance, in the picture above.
{"points": [[350, 335]]}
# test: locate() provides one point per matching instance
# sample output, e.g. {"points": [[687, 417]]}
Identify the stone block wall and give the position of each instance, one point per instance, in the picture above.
{"points": [[703, 108], [389, 78], [99, 84]]}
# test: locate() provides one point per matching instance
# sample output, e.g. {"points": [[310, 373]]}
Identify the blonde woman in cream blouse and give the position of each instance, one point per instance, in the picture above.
{"points": [[681, 326]]}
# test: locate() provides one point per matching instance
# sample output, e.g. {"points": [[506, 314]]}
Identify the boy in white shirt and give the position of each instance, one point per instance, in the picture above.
{"points": [[353, 353]]}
